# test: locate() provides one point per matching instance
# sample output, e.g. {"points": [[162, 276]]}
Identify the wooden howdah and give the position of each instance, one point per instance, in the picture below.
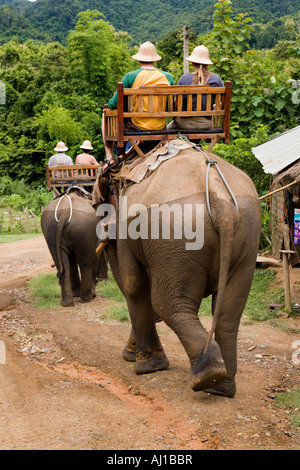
{"points": [[62, 176], [170, 106]]}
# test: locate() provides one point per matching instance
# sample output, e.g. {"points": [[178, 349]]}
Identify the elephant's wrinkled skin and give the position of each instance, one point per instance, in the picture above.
{"points": [[160, 277], [72, 245]]}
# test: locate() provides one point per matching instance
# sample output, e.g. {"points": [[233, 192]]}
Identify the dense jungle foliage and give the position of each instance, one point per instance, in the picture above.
{"points": [[51, 20], [56, 91]]}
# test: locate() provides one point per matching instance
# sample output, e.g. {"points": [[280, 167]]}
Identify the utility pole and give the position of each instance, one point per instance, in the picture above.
{"points": [[186, 36]]}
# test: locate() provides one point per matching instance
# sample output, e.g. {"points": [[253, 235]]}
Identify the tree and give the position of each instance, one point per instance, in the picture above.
{"points": [[95, 51], [262, 91]]}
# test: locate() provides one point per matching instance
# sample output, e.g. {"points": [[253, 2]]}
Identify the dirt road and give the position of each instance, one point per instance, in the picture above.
{"points": [[65, 385]]}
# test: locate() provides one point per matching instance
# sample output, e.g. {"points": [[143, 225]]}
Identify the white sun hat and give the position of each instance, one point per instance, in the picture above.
{"points": [[86, 145], [200, 55], [61, 147], [147, 53]]}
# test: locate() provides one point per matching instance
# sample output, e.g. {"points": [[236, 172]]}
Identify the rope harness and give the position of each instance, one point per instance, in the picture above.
{"points": [[57, 206], [66, 194]]}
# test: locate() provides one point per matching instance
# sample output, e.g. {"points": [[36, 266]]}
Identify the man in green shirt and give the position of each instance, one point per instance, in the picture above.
{"points": [[146, 75]]}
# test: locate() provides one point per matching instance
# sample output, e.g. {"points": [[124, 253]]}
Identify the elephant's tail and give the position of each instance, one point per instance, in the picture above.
{"points": [[61, 222], [226, 241], [60, 268]]}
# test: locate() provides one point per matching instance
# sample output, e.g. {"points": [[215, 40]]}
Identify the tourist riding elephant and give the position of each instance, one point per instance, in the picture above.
{"points": [[168, 276], [69, 226]]}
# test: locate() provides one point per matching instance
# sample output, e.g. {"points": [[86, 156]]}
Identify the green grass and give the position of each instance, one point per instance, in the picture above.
{"points": [[15, 237], [259, 298], [110, 290], [291, 401], [45, 290]]}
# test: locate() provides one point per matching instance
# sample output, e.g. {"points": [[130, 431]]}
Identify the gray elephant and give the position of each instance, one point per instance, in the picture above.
{"points": [[168, 277], [69, 227]]}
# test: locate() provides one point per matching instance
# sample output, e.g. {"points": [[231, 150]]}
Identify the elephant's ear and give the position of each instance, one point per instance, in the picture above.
{"points": [[99, 192]]}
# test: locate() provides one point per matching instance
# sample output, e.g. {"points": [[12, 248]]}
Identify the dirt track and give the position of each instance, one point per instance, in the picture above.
{"points": [[66, 386]]}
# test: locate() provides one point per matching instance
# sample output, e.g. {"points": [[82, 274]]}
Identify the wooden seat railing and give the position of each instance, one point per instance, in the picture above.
{"points": [[170, 105], [64, 175]]}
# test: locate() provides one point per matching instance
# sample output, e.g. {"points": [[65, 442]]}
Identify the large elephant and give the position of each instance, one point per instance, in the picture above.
{"points": [[168, 277], [69, 227]]}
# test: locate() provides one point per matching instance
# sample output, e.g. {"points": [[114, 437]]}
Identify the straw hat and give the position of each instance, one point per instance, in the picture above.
{"points": [[200, 55], [147, 53], [86, 145], [61, 147]]}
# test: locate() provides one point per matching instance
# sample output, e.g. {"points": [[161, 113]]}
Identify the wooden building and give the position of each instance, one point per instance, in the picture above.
{"points": [[280, 157]]}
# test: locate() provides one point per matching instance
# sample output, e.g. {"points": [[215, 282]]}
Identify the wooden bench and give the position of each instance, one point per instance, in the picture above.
{"points": [[64, 175], [170, 105]]}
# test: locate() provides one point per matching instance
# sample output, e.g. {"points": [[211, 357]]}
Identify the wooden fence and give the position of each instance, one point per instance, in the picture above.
{"points": [[22, 221]]}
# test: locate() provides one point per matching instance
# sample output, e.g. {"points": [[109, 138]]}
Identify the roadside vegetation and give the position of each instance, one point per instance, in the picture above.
{"points": [[46, 293], [291, 402]]}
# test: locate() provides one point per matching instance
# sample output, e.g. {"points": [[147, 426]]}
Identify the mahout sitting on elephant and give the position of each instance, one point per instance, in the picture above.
{"points": [[69, 227], [167, 277]]}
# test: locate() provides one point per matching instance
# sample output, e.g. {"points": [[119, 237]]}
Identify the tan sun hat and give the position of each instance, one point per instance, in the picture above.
{"points": [[86, 145], [61, 147], [147, 53], [200, 55]]}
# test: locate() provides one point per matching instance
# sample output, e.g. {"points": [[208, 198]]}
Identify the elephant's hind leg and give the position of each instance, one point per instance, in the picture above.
{"points": [[67, 299], [234, 302], [179, 309], [149, 353]]}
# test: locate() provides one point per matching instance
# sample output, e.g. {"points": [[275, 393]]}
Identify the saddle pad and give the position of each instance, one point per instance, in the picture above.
{"points": [[136, 170]]}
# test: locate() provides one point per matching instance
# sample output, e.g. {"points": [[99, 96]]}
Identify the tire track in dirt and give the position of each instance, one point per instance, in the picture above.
{"points": [[147, 405]]}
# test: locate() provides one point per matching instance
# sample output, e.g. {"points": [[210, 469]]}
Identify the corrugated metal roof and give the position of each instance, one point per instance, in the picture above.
{"points": [[279, 152]]}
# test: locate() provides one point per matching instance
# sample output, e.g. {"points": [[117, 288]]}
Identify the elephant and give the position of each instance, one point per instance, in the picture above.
{"points": [[161, 278], [69, 227]]}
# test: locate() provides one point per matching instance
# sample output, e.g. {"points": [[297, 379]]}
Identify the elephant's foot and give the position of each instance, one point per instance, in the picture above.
{"points": [[154, 363], [211, 375], [129, 356], [129, 352], [67, 302], [76, 293], [88, 297], [226, 388]]}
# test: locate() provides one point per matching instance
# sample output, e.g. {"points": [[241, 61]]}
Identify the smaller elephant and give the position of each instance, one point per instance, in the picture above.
{"points": [[69, 227]]}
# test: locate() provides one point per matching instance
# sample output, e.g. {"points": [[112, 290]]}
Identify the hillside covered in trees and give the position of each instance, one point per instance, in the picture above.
{"points": [[56, 90], [51, 20]]}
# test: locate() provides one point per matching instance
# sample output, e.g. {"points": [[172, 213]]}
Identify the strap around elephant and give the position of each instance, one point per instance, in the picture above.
{"points": [[57, 205], [210, 162]]}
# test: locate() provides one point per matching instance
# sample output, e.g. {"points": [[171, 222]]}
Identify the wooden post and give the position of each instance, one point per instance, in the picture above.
{"points": [[120, 117], [35, 223], [227, 111], [20, 218], [26, 220], [11, 221], [186, 36], [286, 279]]}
